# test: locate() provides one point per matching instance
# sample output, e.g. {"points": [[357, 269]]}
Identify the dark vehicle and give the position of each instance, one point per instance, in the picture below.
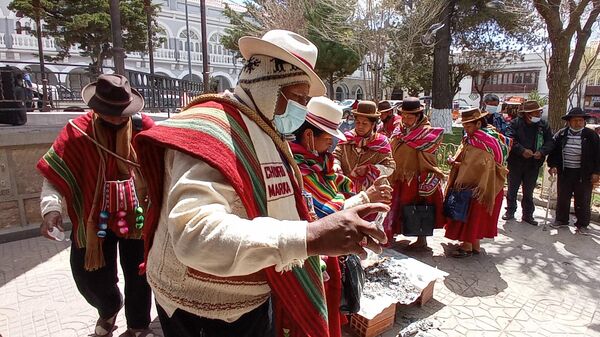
{"points": [[12, 97]]}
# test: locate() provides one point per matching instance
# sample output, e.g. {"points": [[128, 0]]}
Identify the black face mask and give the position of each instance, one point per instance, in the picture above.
{"points": [[111, 126]]}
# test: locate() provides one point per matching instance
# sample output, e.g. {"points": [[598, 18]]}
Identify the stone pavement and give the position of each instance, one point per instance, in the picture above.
{"points": [[527, 282]]}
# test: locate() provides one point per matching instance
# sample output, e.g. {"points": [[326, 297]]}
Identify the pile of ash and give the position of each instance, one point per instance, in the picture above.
{"points": [[389, 278]]}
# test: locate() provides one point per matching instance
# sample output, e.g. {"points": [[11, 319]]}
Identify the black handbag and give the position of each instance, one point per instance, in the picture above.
{"points": [[456, 205], [418, 220], [353, 280]]}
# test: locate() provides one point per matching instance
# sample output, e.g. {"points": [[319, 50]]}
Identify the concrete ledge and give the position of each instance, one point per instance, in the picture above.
{"points": [[25, 232]]}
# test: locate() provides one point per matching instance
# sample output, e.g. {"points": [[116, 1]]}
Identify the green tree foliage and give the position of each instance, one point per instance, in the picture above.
{"points": [[326, 23], [87, 24], [484, 38]]}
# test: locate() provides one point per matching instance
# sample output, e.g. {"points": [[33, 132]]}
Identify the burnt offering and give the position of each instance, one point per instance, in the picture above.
{"points": [[388, 278]]}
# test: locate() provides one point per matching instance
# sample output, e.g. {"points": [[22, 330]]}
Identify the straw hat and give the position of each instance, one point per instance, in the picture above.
{"points": [[471, 115], [112, 95], [325, 115], [366, 109], [289, 47]]}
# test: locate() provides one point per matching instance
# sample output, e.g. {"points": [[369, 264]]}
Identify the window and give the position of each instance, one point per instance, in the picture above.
{"points": [[517, 78], [339, 94], [194, 41], [359, 93], [528, 78]]}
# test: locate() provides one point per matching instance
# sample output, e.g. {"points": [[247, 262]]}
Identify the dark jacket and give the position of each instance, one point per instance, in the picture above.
{"points": [[524, 137], [590, 152]]}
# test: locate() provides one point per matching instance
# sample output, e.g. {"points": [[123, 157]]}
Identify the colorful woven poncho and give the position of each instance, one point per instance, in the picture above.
{"points": [[215, 133], [329, 189]]}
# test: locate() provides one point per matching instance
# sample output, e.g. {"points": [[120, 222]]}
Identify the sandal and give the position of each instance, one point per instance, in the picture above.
{"points": [[475, 252], [460, 253], [106, 326], [138, 333]]}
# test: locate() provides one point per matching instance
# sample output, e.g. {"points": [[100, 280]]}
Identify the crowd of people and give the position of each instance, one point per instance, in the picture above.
{"points": [[235, 211]]}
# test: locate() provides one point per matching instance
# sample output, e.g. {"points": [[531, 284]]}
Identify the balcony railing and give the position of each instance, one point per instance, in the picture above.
{"points": [[2, 43], [23, 41]]}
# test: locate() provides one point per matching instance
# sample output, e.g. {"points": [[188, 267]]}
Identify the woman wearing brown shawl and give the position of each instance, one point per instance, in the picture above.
{"points": [[417, 179], [365, 155], [479, 166]]}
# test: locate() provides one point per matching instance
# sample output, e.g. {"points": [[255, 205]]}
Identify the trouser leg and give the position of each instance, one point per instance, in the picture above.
{"points": [[98, 287], [256, 323], [514, 181], [583, 201], [529, 181], [138, 299], [565, 192]]}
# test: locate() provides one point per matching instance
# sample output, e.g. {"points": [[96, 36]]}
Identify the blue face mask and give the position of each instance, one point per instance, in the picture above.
{"points": [[292, 118], [491, 108]]}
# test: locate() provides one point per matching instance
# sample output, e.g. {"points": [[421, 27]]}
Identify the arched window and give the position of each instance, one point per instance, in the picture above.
{"points": [[194, 41], [339, 94], [359, 93]]}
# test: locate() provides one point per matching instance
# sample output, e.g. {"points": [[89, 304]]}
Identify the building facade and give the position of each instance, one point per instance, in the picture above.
{"points": [[515, 79], [19, 48]]}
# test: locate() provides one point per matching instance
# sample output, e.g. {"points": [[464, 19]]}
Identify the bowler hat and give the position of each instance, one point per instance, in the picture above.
{"points": [[367, 109], [411, 105], [384, 106], [112, 95], [575, 112]]}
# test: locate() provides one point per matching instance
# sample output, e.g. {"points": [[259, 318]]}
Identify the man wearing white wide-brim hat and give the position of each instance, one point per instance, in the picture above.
{"points": [[229, 250]]}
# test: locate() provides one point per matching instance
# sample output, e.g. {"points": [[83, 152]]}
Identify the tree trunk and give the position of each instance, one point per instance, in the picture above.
{"points": [[558, 82], [441, 115], [441, 62]]}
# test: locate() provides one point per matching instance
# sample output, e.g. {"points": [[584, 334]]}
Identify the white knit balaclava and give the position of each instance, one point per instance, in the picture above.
{"points": [[262, 78]]}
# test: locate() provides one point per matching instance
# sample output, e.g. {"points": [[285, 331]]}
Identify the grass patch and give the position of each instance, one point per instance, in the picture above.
{"points": [[455, 137]]}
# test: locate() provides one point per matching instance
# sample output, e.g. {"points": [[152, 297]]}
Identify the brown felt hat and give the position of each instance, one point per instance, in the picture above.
{"points": [[411, 105], [384, 106], [471, 115], [530, 106], [367, 109], [112, 95]]}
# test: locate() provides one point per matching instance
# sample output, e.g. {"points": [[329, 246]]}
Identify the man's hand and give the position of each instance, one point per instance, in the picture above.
{"points": [[51, 219], [538, 155], [527, 153], [553, 171], [359, 171], [341, 233], [380, 193]]}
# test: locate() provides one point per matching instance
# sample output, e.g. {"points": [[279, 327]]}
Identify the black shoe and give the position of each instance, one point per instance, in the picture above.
{"points": [[559, 224], [508, 216], [530, 221]]}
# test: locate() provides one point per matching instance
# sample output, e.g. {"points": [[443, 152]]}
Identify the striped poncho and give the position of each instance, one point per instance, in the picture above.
{"points": [[215, 133], [329, 189]]}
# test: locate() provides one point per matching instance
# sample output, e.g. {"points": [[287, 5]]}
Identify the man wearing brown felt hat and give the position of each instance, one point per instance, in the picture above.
{"points": [[93, 166]]}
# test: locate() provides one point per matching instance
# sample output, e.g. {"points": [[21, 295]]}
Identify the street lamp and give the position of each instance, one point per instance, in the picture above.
{"points": [[189, 45], [205, 74], [38, 31]]}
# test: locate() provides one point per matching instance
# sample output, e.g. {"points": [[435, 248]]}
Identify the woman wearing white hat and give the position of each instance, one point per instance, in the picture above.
{"points": [[330, 191]]}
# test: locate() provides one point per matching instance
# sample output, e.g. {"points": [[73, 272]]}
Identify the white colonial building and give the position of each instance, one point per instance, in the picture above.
{"points": [[19, 48]]}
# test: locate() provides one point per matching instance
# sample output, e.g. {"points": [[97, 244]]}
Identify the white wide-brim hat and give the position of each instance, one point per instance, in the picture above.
{"points": [[324, 114], [289, 47]]}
